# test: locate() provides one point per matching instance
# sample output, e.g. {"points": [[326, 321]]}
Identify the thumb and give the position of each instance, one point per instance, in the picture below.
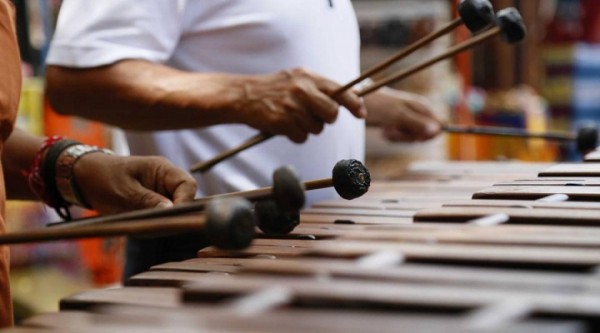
{"points": [[150, 199]]}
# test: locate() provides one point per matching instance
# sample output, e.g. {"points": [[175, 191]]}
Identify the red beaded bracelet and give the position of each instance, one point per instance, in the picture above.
{"points": [[38, 184]]}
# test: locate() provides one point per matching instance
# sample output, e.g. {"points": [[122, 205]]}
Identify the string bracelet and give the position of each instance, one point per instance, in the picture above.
{"points": [[51, 175]]}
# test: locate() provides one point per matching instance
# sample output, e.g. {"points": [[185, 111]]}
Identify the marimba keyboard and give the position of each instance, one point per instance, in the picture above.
{"points": [[411, 255]]}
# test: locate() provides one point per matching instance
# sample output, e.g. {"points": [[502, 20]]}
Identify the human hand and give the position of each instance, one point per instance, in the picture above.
{"points": [[112, 184], [294, 103], [402, 116]]}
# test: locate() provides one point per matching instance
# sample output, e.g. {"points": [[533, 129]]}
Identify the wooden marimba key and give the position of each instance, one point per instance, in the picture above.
{"points": [[398, 259]]}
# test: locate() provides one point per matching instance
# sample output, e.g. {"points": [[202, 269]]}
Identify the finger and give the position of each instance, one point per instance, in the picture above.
{"points": [[289, 127], [421, 106], [185, 192], [157, 180], [429, 127], [393, 134], [408, 125], [348, 98], [308, 122], [421, 122], [299, 108], [322, 106], [351, 101], [149, 199], [181, 187]]}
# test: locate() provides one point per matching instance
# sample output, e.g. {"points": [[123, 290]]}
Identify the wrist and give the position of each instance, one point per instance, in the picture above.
{"points": [[40, 175], [226, 98], [51, 175], [65, 176]]}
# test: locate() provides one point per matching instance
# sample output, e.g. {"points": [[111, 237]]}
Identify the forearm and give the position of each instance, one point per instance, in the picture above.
{"points": [[18, 154], [139, 95]]}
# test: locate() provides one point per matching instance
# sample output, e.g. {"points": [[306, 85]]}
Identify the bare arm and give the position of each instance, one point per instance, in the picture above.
{"points": [[108, 183], [140, 95]]}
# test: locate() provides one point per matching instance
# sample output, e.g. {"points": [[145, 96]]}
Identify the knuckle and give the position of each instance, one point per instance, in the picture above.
{"points": [[319, 129], [159, 160], [193, 186], [146, 199], [297, 88], [298, 136], [300, 71], [331, 116], [302, 137], [295, 138]]}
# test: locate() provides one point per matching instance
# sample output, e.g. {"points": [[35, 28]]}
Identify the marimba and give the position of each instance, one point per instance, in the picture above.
{"points": [[447, 247]]}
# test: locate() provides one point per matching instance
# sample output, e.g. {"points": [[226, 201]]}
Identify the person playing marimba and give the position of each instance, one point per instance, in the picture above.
{"points": [[189, 79]]}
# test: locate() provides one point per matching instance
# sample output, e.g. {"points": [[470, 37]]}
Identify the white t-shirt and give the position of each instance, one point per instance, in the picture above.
{"points": [[233, 36]]}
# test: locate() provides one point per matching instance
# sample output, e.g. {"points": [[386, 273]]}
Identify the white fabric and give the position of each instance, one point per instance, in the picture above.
{"points": [[234, 36]]}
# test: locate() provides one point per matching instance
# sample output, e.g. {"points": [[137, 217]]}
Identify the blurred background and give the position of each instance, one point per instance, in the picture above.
{"points": [[549, 82]]}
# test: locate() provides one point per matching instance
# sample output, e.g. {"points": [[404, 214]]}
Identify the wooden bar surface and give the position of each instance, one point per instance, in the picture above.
{"points": [[208, 318], [575, 193], [365, 264]]}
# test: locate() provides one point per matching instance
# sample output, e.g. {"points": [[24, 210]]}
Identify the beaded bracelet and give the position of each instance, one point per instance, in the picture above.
{"points": [[51, 175], [37, 177], [33, 174]]}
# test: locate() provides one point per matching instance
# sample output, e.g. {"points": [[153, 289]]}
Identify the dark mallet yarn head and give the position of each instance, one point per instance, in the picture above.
{"points": [[351, 179], [511, 24], [271, 220], [476, 14], [288, 190], [230, 223], [587, 138]]}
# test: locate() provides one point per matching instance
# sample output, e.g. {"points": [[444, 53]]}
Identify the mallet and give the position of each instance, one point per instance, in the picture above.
{"points": [[586, 137], [350, 178], [476, 15], [287, 191], [225, 223], [509, 25]]}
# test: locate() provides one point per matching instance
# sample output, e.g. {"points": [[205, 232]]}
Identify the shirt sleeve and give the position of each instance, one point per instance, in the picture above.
{"points": [[93, 33]]}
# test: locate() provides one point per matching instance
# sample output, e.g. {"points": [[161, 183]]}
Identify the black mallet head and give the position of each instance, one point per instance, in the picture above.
{"points": [[271, 220], [288, 190], [476, 14], [587, 138], [351, 179], [511, 25], [230, 223]]}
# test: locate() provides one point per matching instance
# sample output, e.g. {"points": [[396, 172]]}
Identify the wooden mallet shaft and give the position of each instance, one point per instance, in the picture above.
{"points": [[510, 132], [401, 55], [225, 223], [122, 228], [194, 206], [400, 75], [585, 139]]}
